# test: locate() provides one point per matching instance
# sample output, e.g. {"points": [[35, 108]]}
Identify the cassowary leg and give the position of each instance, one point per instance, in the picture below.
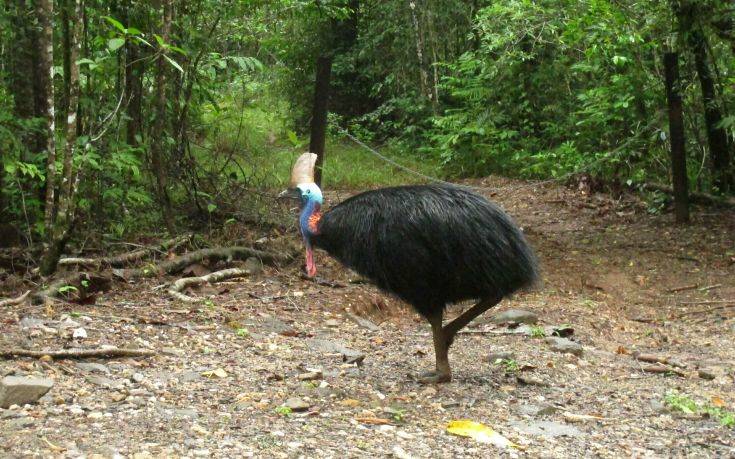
{"points": [[451, 329], [441, 351]]}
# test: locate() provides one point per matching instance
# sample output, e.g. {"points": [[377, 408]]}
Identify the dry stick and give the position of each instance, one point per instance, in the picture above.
{"points": [[178, 264], [211, 278], [17, 300], [706, 302], [78, 353], [682, 288], [126, 258], [704, 311], [662, 369]]}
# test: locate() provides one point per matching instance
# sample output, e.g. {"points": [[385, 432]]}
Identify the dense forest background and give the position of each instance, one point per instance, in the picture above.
{"points": [[124, 117]]}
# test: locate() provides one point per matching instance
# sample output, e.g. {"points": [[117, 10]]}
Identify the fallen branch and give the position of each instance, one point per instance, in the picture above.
{"points": [[704, 311], [702, 198], [78, 353], [121, 260], [652, 358], [683, 287], [662, 369], [17, 300], [211, 278], [214, 255]]}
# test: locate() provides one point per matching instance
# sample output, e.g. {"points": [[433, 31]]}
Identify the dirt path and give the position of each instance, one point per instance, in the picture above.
{"points": [[624, 280]]}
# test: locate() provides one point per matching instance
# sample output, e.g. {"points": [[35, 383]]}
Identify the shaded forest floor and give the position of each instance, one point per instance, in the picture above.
{"points": [[624, 280]]}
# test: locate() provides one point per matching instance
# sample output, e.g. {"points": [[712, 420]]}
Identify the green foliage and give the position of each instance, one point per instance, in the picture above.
{"points": [[509, 365], [687, 405], [533, 89], [537, 332], [283, 411]]}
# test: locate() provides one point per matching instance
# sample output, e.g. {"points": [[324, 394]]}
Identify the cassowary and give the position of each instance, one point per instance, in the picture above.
{"points": [[430, 245]]}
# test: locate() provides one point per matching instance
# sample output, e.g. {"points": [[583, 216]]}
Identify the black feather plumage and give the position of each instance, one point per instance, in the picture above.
{"points": [[430, 245]]}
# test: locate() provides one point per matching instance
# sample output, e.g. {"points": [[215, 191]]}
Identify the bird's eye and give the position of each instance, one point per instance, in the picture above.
{"points": [[308, 191]]}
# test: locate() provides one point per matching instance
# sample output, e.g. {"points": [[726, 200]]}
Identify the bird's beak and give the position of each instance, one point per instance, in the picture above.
{"points": [[289, 193]]}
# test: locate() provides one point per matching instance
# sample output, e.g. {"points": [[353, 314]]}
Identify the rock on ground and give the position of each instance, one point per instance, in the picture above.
{"points": [[515, 316], [18, 390]]}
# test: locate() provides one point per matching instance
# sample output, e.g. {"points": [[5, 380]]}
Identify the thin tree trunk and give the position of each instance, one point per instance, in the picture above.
{"points": [[676, 136], [45, 12], [60, 229], [319, 113], [423, 76], [157, 136], [716, 135]]}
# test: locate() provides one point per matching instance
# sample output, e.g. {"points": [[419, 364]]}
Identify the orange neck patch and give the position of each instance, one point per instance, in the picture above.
{"points": [[314, 221]]}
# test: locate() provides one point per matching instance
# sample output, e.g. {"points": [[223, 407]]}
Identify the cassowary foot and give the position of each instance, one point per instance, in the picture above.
{"points": [[434, 377]]}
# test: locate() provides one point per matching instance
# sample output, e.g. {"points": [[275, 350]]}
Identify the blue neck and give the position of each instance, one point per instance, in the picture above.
{"points": [[310, 207]]}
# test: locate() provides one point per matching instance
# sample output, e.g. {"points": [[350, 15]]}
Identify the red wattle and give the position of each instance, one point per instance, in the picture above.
{"points": [[310, 266]]}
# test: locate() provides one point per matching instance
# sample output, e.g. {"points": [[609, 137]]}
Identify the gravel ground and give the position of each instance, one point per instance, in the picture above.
{"points": [[275, 366]]}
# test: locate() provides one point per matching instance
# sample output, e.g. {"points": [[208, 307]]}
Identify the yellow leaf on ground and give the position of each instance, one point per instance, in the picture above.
{"points": [[572, 417], [219, 372], [718, 402], [480, 433]]}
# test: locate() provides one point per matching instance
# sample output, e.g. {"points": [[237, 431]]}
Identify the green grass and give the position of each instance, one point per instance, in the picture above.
{"points": [[264, 149], [687, 405]]}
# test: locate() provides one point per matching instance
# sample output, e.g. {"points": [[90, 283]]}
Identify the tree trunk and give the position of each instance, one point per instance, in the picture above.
{"points": [[158, 133], [319, 113], [45, 13], [716, 136], [676, 136], [60, 229], [423, 76]]}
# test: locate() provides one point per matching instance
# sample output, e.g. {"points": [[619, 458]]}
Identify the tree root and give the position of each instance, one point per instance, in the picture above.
{"points": [[121, 260], [178, 264], [17, 300], [78, 353], [702, 198], [78, 284], [211, 278]]}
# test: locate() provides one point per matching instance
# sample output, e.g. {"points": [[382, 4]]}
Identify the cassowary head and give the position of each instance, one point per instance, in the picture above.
{"points": [[303, 188]]}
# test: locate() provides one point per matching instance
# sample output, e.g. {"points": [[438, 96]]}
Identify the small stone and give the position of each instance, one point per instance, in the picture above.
{"points": [[493, 357], [31, 322], [400, 453], [101, 381], [17, 390], [253, 266], [658, 407], [547, 429], [332, 323], [564, 345], [706, 374], [310, 376], [515, 316], [530, 380], [296, 404], [118, 397], [138, 377], [450, 404], [537, 410], [93, 367], [349, 356], [172, 351], [95, 415], [23, 422], [189, 376], [562, 331], [79, 333]]}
